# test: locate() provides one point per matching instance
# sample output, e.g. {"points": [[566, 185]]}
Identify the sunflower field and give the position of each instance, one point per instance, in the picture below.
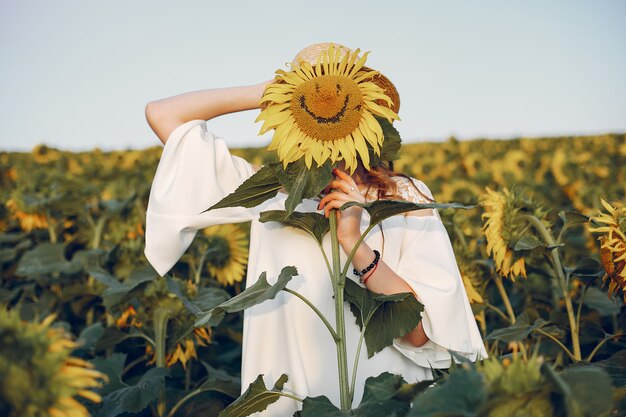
{"points": [[89, 328]]}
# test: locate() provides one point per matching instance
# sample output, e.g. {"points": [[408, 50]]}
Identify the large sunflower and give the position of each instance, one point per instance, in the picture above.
{"points": [[326, 111], [227, 255], [613, 246]]}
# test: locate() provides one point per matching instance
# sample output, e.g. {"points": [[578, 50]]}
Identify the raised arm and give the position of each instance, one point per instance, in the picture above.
{"points": [[166, 114]]}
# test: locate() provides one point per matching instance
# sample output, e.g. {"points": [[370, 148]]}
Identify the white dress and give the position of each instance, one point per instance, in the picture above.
{"points": [[283, 335]]}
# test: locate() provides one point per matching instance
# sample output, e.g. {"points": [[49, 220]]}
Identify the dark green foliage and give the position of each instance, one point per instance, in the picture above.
{"points": [[254, 294], [256, 398], [313, 223], [385, 317]]}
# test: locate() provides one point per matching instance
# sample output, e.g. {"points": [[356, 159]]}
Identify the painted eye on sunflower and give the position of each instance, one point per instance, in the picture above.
{"points": [[325, 110]]}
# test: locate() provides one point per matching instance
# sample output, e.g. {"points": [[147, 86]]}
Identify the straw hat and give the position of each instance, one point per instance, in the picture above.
{"points": [[311, 52]]}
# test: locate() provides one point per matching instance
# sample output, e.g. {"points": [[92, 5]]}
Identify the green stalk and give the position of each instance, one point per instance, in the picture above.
{"points": [[161, 317], [338, 286], [52, 232], [315, 309], [558, 269], [97, 233], [356, 364], [505, 298]]}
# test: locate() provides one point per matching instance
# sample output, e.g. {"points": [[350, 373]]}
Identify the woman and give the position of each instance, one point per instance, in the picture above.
{"points": [[283, 335]]}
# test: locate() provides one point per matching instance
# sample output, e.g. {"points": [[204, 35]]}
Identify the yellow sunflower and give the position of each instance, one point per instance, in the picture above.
{"points": [[613, 246], [28, 221], [183, 351], [40, 378], [227, 255], [499, 213], [326, 111]]}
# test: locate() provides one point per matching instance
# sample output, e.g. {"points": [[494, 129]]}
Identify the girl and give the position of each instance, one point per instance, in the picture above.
{"points": [[284, 335]]}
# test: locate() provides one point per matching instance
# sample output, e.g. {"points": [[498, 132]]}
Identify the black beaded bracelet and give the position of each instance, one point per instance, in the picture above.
{"points": [[370, 266]]}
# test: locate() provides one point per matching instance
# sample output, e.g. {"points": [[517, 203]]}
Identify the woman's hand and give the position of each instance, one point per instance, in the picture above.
{"points": [[344, 189]]}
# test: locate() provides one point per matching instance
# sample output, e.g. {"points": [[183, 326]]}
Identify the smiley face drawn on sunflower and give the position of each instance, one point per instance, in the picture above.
{"points": [[328, 106], [325, 111]]}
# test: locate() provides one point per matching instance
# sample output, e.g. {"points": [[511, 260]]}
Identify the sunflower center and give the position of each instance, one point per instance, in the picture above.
{"points": [[218, 253], [327, 107]]}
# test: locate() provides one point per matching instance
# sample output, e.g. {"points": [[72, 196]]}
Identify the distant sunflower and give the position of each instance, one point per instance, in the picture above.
{"points": [[613, 246], [28, 221], [40, 378], [227, 255], [326, 111], [496, 232], [503, 228]]}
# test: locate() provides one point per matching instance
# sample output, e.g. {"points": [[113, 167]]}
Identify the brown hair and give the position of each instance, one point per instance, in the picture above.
{"points": [[381, 178]]}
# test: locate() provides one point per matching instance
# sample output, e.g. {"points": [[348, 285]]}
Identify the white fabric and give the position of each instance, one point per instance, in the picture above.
{"points": [[283, 335]]}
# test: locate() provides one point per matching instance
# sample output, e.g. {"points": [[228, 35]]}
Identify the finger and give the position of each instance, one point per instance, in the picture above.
{"points": [[335, 195], [342, 185], [344, 176], [335, 204]]}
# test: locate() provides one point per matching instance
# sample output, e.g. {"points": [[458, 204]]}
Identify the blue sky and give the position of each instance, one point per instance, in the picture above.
{"points": [[77, 74]]}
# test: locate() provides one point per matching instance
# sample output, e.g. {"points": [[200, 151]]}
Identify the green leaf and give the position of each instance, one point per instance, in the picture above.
{"points": [[135, 398], [12, 237], [587, 270], [113, 367], [120, 292], [391, 146], [461, 394], [615, 366], [220, 381], [302, 182], [320, 406], [261, 186], [380, 210], [43, 259], [381, 396], [257, 293], [386, 317], [572, 218], [520, 330], [256, 398], [597, 299], [7, 255], [103, 277], [528, 242], [207, 298], [90, 335], [586, 391], [313, 223]]}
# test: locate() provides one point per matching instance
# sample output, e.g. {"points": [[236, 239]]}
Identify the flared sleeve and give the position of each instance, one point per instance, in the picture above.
{"points": [[427, 263], [195, 171]]}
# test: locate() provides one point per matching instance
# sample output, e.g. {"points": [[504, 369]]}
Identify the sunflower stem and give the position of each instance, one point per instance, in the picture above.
{"points": [[505, 298], [497, 310], [560, 275], [52, 231], [580, 305], [97, 233], [600, 344], [315, 309], [338, 286], [356, 363], [161, 317]]}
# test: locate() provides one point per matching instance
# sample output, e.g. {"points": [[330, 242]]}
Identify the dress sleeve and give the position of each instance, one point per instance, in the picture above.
{"points": [[195, 171], [427, 263]]}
